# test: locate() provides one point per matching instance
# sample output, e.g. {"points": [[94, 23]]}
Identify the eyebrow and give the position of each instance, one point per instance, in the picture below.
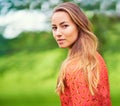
{"points": [[60, 23]]}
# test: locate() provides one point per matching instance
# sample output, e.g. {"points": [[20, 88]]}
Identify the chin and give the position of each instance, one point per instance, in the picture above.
{"points": [[63, 47]]}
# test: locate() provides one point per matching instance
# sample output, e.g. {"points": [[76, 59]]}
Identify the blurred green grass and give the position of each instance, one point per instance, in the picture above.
{"points": [[30, 79], [113, 64]]}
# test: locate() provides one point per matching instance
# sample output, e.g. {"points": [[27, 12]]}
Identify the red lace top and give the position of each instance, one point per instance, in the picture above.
{"points": [[77, 92]]}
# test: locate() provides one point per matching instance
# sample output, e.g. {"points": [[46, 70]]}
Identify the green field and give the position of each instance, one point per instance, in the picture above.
{"points": [[30, 79]]}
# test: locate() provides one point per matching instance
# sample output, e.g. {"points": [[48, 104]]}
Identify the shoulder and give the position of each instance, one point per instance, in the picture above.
{"points": [[102, 67], [102, 64], [101, 60], [99, 56]]}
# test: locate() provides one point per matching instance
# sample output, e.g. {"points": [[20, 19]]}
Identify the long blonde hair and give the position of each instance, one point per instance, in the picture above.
{"points": [[84, 49]]}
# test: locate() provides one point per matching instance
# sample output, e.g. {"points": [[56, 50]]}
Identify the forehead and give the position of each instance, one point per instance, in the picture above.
{"points": [[61, 16]]}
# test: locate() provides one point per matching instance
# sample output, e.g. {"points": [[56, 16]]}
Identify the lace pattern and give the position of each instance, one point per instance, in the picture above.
{"points": [[77, 92]]}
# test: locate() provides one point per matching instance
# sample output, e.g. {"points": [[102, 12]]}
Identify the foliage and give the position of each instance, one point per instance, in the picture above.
{"points": [[46, 5], [106, 29], [28, 41]]}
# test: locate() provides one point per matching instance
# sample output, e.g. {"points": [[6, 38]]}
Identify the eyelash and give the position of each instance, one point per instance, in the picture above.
{"points": [[54, 28], [63, 26]]}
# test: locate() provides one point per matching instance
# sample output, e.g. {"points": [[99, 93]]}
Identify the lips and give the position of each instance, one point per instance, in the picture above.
{"points": [[60, 41]]}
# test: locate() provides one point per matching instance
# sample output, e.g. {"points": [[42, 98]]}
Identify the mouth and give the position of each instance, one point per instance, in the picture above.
{"points": [[60, 41]]}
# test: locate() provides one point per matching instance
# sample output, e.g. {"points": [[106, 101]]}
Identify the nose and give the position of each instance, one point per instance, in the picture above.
{"points": [[58, 33]]}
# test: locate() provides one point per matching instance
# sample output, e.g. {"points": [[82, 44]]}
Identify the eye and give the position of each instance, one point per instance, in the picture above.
{"points": [[54, 28], [65, 26]]}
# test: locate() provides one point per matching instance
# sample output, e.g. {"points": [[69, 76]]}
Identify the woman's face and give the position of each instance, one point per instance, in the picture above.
{"points": [[64, 30]]}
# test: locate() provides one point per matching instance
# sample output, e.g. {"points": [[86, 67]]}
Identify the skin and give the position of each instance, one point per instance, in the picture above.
{"points": [[64, 30]]}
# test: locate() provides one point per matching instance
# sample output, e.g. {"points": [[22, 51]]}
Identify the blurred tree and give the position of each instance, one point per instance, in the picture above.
{"points": [[34, 42], [47, 5]]}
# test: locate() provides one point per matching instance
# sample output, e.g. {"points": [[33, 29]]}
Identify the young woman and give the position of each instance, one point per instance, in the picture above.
{"points": [[83, 78]]}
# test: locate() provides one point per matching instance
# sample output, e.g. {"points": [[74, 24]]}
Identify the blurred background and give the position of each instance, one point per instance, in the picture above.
{"points": [[30, 58]]}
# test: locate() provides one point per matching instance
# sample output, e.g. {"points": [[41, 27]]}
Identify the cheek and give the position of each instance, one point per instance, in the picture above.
{"points": [[73, 34], [74, 38]]}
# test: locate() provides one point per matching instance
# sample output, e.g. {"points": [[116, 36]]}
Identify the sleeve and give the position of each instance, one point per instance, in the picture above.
{"points": [[65, 98]]}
